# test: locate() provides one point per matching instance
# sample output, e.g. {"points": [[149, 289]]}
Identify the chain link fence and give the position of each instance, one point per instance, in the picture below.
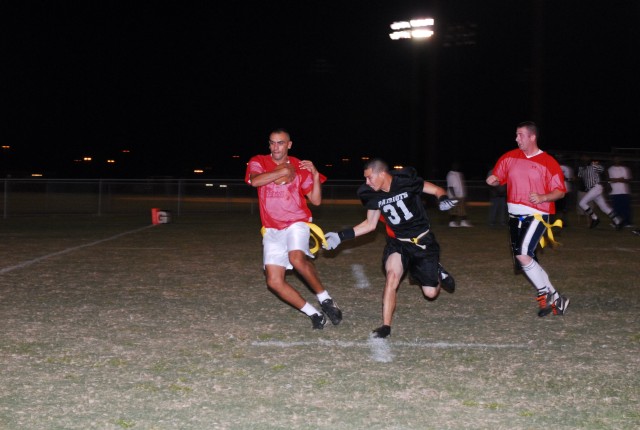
{"points": [[40, 196]]}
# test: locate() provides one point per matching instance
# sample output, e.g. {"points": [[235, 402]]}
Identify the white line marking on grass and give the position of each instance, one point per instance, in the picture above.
{"points": [[362, 281], [417, 344], [65, 251], [139, 248], [460, 345], [381, 348]]}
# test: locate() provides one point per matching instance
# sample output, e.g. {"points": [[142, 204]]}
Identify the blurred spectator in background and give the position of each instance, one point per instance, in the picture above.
{"points": [[498, 204], [457, 190], [595, 193], [619, 177], [581, 191], [564, 203]]}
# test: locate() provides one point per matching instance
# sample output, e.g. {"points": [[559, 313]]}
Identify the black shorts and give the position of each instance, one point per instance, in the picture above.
{"points": [[525, 232], [422, 264]]}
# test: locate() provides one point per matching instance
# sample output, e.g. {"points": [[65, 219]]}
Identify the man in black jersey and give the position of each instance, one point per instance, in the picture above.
{"points": [[396, 195]]}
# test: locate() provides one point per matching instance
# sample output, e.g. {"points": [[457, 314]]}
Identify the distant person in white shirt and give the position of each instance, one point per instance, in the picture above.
{"points": [[563, 204], [456, 190], [619, 177]]}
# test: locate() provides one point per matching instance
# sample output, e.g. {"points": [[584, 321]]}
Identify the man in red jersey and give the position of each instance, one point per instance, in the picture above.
{"points": [[284, 184], [534, 182]]}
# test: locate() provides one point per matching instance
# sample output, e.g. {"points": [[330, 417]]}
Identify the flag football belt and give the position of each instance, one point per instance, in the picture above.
{"points": [[316, 234], [415, 240], [538, 217]]}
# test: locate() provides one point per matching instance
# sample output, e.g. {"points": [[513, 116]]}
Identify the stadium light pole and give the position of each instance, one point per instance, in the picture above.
{"points": [[421, 30]]}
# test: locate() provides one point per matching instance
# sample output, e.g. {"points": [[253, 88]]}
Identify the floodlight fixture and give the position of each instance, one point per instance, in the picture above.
{"points": [[414, 29], [423, 22], [400, 25]]}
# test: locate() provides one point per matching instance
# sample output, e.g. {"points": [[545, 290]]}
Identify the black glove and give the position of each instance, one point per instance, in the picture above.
{"points": [[382, 331]]}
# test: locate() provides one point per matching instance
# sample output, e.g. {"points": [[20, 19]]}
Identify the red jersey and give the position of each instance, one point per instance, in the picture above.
{"points": [[539, 174], [282, 205]]}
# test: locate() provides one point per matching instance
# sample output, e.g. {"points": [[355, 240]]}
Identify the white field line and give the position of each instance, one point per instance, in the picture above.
{"points": [[380, 349], [416, 344], [362, 281], [65, 251]]}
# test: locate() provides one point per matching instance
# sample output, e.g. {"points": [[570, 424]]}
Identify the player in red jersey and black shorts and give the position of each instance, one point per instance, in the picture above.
{"points": [[534, 182]]}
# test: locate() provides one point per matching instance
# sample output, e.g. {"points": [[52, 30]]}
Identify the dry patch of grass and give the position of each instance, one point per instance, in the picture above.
{"points": [[172, 328]]}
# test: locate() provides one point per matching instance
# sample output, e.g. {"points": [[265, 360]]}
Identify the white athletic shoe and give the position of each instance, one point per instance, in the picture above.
{"points": [[465, 223], [453, 224]]}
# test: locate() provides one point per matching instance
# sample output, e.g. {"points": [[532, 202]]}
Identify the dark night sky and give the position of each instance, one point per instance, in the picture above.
{"points": [[189, 84]]}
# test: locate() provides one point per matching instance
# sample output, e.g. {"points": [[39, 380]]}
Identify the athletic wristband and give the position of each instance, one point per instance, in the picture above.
{"points": [[347, 234]]}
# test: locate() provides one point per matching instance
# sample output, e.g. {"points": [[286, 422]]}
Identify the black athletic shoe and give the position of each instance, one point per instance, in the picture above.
{"points": [[332, 310], [594, 223], [446, 280], [318, 321], [544, 302], [560, 305], [382, 331]]}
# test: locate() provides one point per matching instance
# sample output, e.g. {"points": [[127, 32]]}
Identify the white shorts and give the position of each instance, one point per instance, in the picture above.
{"points": [[277, 244]]}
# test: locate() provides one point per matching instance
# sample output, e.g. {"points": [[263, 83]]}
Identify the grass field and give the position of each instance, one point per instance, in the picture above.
{"points": [[108, 323]]}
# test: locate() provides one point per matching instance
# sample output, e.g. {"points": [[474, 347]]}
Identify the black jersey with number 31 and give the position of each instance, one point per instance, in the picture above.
{"points": [[402, 206]]}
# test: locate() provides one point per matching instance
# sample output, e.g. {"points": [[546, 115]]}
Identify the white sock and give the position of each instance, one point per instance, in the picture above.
{"points": [[309, 309], [323, 296], [550, 287], [538, 277]]}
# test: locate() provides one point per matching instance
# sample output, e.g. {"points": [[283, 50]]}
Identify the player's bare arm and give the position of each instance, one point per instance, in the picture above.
{"points": [[445, 203], [493, 180], [284, 173], [308, 165], [554, 195], [368, 225], [315, 195], [433, 189]]}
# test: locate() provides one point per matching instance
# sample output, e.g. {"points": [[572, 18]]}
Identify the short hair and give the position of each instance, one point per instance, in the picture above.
{"points": [[281, 130], [377, 165], [531, 126]]}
